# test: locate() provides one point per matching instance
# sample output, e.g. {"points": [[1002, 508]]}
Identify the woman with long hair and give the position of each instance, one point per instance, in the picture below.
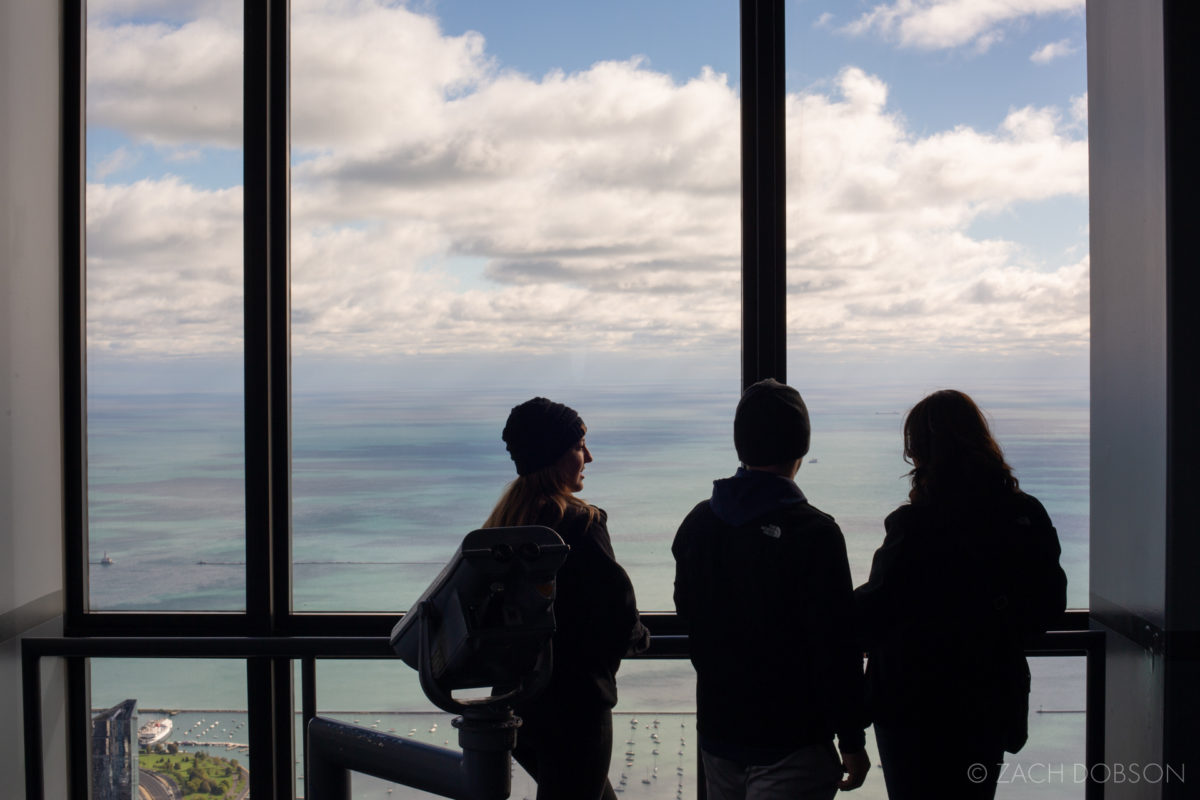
{"points": [[565, 741], [968, 575]]}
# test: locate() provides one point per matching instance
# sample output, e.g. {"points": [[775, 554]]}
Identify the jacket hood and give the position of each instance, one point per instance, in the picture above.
{"points": [[751, 493]]}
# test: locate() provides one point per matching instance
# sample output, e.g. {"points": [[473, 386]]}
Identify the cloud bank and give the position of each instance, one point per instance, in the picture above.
{"points": [[442, 203], [938, 24]]}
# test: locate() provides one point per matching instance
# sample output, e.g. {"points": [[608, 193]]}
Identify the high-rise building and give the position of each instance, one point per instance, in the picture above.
{"points": [[114, 753]]}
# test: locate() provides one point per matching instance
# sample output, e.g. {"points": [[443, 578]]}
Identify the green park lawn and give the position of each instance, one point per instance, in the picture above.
{"points": [[199, 775]]}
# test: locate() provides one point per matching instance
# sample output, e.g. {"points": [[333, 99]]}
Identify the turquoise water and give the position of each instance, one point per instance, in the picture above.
{"points": [[385, 486]]}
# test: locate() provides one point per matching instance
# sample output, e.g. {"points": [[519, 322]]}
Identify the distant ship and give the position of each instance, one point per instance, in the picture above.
{"points": [[154, 732], [107, 560]]}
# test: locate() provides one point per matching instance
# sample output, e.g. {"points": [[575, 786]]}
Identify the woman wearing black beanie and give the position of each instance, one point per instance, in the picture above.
{"points": [[565, 741]]}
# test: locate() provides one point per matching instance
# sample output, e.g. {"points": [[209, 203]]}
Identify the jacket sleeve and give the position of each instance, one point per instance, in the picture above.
{"points": [[876, 601], [607, 624], [680, 549], [833, 622], [1043, 583]]}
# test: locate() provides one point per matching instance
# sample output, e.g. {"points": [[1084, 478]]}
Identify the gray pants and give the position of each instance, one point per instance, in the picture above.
{"points": [[810, 773]]}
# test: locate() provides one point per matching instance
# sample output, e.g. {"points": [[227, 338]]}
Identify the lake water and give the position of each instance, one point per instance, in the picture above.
{"points": [[385, 485]]}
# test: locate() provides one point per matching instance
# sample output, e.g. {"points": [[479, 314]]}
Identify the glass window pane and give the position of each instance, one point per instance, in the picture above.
{"points": [[166, 503], [1053, 762], [169, 725], [937, 237], [655, 748], [547, 204]]}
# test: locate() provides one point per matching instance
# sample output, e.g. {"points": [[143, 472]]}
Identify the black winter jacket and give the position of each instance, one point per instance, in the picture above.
{"points": [[763, 583], [595, 613], [956, 592]]}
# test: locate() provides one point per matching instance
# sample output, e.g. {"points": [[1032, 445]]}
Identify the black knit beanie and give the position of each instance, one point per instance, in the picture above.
{"points": [[539, 431], [771, 425]]}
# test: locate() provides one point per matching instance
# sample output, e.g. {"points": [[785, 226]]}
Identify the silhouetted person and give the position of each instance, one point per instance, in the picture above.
{"points": [[565, 740], [967, 576], [763, 583]]}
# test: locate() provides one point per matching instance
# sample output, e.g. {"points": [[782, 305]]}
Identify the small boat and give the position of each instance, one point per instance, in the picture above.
{"points": [[107, 560]]}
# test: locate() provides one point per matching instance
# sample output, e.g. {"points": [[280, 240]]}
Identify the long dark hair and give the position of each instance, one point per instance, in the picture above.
{"points": [[949, 444]]}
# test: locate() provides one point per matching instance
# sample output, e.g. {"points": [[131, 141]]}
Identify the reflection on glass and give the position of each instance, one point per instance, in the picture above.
{"points": [[173, 727], [164, 299], [543, 204]]}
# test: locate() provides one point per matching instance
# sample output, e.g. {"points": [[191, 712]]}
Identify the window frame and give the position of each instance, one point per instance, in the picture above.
{"points": [[268, 613], [266, 290]]}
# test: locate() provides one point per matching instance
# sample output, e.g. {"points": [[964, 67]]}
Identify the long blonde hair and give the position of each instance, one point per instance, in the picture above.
{"points": [[526, 499]]}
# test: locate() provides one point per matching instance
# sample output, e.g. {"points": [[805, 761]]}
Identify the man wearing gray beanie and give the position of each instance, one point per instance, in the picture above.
{"points": [[763, 584]]}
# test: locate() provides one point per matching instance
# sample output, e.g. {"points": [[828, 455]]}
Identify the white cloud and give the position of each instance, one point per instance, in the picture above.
{"points": [[164, 268], [602, 205], [114, 162], [1049, 52], [938, 24], [165, 84]]}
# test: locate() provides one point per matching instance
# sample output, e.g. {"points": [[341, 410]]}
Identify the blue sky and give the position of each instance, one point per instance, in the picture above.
{"points": [[936, 88], [463, 167]]}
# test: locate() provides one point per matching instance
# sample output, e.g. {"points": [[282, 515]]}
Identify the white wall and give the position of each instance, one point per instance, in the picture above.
{"points": [[31, 522]]}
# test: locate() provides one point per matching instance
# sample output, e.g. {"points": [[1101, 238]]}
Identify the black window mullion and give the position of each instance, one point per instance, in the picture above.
{"points": [[266, 298], [263, 738], [267, 388], [281, 311], [764, 286], [79, 727], [74, 382]]}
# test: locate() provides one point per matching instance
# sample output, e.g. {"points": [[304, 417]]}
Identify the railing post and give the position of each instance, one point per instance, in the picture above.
{"points": [[487, 746], [482, 771], [31, 702], [324, 777], [1094, 713]]}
